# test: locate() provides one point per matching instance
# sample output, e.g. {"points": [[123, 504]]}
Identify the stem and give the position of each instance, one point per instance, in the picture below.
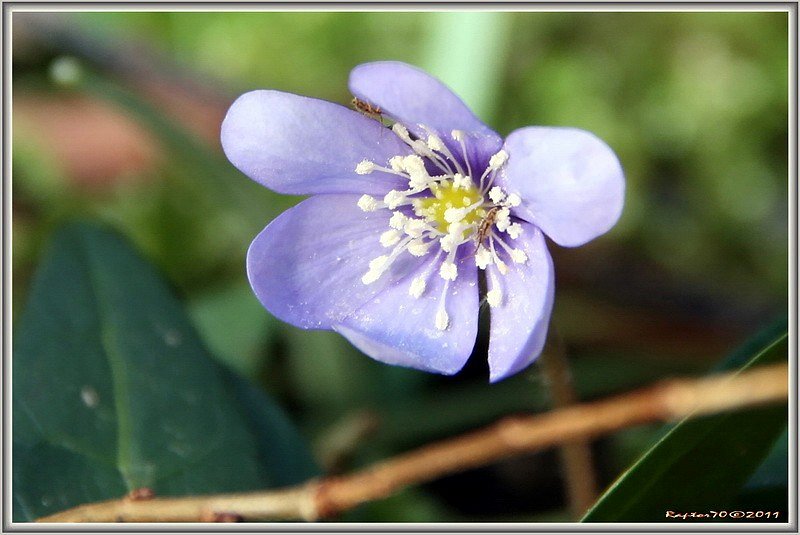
{"points": [[665, 401], [576, 456]]}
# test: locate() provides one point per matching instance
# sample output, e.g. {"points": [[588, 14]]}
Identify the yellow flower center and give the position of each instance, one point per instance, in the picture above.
{"points": [[447, 196]]}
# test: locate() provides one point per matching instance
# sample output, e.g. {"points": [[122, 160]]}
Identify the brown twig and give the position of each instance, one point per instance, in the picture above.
{"points": [[665, 401], [576, 456]]}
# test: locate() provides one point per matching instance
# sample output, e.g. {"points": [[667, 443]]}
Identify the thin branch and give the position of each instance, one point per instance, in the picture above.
{"points": [[665, 401]]}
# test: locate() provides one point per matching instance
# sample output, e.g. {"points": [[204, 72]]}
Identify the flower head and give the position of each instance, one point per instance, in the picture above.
{"points": [[388, 249]]}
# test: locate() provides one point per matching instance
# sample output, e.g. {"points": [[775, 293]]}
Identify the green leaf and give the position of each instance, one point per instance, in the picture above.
{"points": [[113, 390], [701, 464], [234, 326]]}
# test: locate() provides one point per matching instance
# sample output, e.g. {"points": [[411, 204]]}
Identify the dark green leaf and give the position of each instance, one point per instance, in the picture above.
{"points": [[113, 390], [701, 464]]}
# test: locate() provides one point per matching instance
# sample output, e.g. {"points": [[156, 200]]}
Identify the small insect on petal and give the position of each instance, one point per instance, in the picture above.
{"points": [[373, 112]]}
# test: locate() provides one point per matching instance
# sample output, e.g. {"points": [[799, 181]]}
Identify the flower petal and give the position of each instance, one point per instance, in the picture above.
{"points": [[306, 266], [300, 145], [398, 329], [412, 96], [518, 326], [571, 183]]}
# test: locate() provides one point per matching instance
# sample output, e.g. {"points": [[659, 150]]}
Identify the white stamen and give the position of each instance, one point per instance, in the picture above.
{"points": [[370, 277], [482, 257], [503, 219], [418, 247], [435, 143], [377, 264], [415, 227], [367, 203], [454, 215], [496, 195], [497, 161], [501, 266], [400, 130], [394, 198], [365, 167], [390, 237], [398, 220], [514, 230], [413, 163], [442, 320], [435, 221], [461, 181], [448, 271], [518, 256], [494, 297], [396, 163], [417, 287], [452, 239]]}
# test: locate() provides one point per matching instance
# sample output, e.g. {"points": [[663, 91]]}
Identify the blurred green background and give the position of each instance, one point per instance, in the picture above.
{"points": [[116, 118]]}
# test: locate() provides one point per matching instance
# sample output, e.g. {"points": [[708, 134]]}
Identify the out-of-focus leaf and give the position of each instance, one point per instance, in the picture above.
{"points": [[482, 40], [114, 391], [234, 325], [701, 464]]}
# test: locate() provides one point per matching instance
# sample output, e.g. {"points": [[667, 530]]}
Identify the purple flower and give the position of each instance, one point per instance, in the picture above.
{"points": [[388, 248]]}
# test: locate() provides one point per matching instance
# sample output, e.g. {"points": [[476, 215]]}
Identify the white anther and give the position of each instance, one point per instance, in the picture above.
{"points": [[518, 256], [415, 227], [390, 237], [454, 215], [376, 264], [497, 161], [496, 195], [447, 243], [365, 167], [394, 198], [435, 143], [367, 203], [461, 181], [398, 220], [418, 247], [400, 130], [448, 271], [417, 288], [501, 266], [442, 320], [370, 277], [457, 135], [494, 297], [483, 257], [513, 200], [396, 163], [514, 230], [503, 219], [413, 163]]}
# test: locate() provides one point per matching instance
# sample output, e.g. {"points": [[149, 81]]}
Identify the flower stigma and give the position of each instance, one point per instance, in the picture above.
{"points": [[444, 210]]}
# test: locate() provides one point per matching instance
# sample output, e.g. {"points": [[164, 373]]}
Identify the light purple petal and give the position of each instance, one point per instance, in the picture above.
{"points": [[518, 327], [412, 96], [398, 329], [571, 183], [306, 266], [300, 145]]}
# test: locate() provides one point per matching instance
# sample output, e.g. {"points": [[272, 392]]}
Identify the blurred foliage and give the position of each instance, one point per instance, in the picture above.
{"points": [[695, 104]]}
